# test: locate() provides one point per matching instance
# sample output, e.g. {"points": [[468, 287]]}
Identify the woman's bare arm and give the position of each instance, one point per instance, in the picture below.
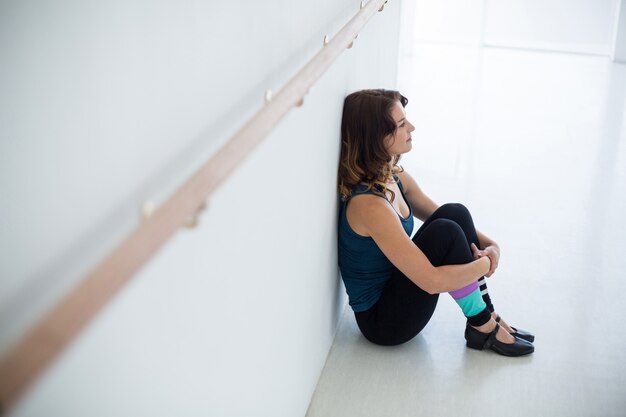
{"points": [[373, 216]]}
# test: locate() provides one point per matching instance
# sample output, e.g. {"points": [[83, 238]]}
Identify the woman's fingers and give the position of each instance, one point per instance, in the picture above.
{"points": [[494, 264], [492, 257], [475, 251]]}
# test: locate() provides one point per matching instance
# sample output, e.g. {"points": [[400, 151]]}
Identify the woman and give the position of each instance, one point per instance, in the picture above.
{"points": [[393, 281]]}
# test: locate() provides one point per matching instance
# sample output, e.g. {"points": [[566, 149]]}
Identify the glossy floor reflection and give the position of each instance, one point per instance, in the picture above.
{"points": [[535, 145]]}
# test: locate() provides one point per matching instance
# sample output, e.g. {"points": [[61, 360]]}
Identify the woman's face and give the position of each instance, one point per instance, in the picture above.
{"points": [[400, 141]]}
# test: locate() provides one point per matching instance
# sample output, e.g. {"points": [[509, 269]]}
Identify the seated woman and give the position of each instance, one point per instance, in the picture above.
{"points": [[393, 281]]}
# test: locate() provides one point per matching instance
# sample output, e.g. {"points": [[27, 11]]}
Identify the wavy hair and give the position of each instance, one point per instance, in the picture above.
{"points": [[365, 123]]}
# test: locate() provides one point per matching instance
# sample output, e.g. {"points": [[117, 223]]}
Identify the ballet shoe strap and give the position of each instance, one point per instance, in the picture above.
{"points": [[491, 339]]}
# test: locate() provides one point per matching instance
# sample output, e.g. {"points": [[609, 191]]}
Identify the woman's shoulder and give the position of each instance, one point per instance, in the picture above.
{"points": [[366, 210], [368, 205]]}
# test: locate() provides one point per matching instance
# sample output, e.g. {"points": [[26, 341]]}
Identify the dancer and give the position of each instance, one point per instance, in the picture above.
{"points": [[393, 281]]}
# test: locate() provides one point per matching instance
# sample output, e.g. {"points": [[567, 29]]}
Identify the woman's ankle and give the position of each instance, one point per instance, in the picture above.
{"points": [[487, 327], [502, 335], [503, 323]]}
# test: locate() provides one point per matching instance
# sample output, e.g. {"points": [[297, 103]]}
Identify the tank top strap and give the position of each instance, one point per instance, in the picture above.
{"points": [[362, 189], [399, 183]]}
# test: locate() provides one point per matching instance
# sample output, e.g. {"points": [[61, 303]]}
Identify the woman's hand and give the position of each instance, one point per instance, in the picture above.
{"points": [[491, 251]]}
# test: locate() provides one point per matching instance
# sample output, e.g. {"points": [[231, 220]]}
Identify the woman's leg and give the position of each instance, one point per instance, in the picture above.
{"points": [[404, 309], [459, 214], [443, 241]]}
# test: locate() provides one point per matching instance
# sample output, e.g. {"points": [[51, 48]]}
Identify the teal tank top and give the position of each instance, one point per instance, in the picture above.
{"points": [[364, 268]]}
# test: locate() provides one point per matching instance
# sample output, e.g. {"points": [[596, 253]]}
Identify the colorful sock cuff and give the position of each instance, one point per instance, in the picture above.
{"points": [[465, 291], [472, 304], [480, 318], [482, 284]]}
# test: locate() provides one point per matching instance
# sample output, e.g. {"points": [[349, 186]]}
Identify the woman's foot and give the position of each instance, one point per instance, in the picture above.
{"points": [[497, 340], [503, 323], [502, 335], [522, 334]]}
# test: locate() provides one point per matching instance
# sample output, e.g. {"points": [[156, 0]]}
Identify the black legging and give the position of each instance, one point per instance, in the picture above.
{"points": [[404, 309]]}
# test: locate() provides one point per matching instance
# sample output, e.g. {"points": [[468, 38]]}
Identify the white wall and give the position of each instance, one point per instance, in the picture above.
{"points": [[619, 36], [581, 26], [107, 104], [458, 21]]}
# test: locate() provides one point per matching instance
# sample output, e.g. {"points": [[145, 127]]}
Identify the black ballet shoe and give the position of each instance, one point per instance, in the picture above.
{"points": [[479, 340], [522, 334]]}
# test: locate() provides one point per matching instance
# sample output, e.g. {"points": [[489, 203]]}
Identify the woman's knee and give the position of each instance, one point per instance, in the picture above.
{"points": [[453, 211], [444, 228], [444, 243]]}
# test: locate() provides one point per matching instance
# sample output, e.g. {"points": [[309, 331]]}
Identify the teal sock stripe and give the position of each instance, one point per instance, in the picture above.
{"points": [[472, 303]]}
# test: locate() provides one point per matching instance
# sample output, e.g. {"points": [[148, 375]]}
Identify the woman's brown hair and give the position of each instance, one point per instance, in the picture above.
{"points": [[364, 159]]}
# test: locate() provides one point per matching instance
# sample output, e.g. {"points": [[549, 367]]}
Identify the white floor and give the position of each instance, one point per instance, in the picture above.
{"points": [[535, 145]]}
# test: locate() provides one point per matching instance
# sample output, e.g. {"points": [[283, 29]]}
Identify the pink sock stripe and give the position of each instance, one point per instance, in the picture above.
{"points": [[465, 291]]}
